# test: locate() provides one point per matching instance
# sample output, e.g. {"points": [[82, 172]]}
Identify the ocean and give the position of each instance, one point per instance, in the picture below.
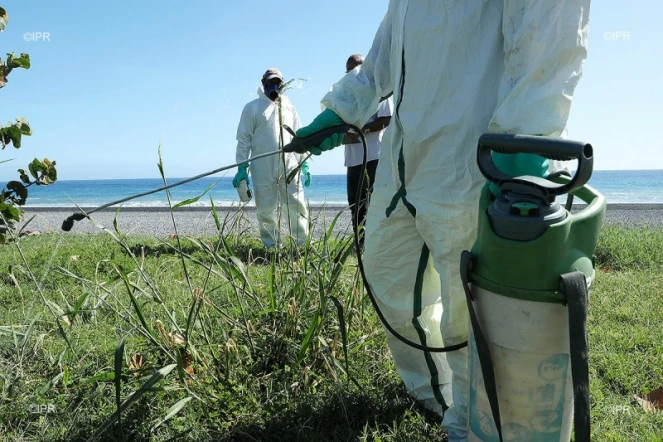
{"points": [[623, 187]]}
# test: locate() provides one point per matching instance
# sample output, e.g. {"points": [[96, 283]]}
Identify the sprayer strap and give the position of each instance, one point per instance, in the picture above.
{"points": [[483, 349], [575, 288]]}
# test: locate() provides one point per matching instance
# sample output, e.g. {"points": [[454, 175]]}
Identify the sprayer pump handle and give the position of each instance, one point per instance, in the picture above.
{"points": [[547, 147], [304, 144]]}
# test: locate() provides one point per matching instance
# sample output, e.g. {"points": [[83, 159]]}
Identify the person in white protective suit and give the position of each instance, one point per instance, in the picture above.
{"points": [[259, 132], [457, 69]]}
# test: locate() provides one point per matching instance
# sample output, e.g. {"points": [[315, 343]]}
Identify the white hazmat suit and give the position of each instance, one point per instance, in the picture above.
{"points": [[258, 133], [457, 69]]}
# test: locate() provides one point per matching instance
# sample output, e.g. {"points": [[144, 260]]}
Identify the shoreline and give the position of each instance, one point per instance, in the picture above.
{"points": [[609, 206], [157, 221], [167, 209]]}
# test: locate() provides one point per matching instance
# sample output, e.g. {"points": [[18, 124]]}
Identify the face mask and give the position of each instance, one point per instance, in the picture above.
{"points": [[272, 91]]}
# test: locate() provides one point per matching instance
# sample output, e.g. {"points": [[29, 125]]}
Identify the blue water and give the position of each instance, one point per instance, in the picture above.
{"points": [[635, 186], [329, 190]]}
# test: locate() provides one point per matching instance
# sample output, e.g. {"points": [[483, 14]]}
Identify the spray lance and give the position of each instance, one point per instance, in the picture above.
{"points": [[298, 145], [550, 259]]}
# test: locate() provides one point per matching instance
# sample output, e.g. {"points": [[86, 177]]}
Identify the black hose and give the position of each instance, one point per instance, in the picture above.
{"points": [[363, 274]]}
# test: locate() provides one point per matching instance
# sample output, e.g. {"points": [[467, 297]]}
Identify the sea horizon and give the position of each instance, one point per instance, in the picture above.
{"points": [[618, 186], [158, 177]]}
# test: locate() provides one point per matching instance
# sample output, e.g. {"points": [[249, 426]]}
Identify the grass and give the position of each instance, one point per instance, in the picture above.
{"points": [[218, 339]]}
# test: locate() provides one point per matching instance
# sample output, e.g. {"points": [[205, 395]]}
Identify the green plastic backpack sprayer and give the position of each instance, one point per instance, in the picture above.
{"points": [[527, 280]]}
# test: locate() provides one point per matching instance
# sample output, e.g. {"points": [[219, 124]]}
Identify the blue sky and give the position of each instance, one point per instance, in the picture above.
{"points": [[110, 82]]}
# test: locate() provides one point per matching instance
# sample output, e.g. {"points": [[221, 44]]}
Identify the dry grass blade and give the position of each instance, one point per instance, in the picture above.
{"points": [[651, 402]]}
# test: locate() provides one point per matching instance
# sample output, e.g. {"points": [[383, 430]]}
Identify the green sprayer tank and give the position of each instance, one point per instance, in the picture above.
{"points": [[527, 283]]}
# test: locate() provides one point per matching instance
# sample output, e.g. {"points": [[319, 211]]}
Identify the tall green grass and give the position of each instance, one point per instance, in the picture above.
{"points": [[213, 337], [621, 249], [216, 338]]}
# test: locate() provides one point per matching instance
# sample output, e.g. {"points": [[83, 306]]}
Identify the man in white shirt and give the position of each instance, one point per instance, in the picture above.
{"points": [[354, 156]]}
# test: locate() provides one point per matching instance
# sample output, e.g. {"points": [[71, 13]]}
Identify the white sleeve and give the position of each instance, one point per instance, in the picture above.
{"points": [[545, 46], [386, 108], [356, 96], [245, 133]]}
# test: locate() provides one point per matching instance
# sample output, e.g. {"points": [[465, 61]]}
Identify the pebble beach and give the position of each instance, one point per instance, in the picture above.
{"points": [[200, 221]]}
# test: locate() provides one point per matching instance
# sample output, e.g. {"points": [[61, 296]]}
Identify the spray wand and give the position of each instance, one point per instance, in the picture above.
{"points": [[298, 145], [68, 223]]}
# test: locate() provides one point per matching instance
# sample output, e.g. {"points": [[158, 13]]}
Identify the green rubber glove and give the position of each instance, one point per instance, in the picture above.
{"points": [[519, 164], [306, 174], [327, 118], [242, 174]]}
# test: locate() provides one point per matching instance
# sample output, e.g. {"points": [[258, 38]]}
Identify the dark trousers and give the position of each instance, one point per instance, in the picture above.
{"points": [[359, 198]]}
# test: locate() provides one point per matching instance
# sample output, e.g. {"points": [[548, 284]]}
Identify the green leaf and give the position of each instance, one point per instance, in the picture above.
{"points": [[172, 411], [27, 335], [50, 175], [14, 135], [215, 214], [24, 126], [119, 362], [239, 267], [10, 330], [6, 138], [116, 226], [24, 177], [20, 190], [330, 231], [192, 200], [105, 376], [80, 303], [50, 384], [134, 302], [36, 167], [315, 323], [185, 202], [10, 212], [18, 62], [33, 171], [271, 277], [160, 165], [156, 378]]}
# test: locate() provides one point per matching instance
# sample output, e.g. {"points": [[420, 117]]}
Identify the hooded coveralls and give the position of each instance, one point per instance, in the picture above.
{"points": [[457, 69], [258, 133]]}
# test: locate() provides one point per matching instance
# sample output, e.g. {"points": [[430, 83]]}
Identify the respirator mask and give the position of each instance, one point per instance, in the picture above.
{"points": [[272, 90]]}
